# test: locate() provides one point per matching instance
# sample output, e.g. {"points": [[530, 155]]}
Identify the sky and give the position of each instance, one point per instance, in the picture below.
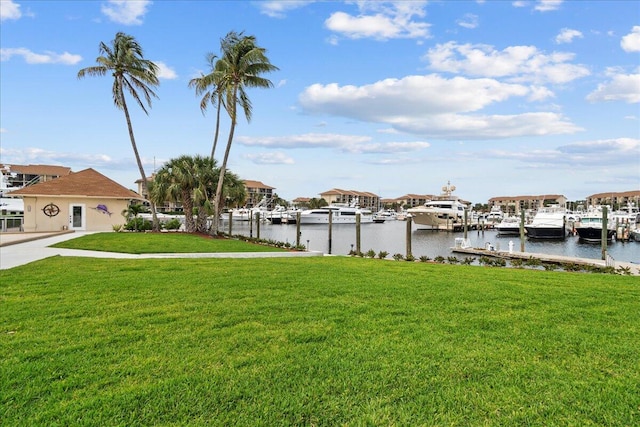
{"points": [[499, 98]]}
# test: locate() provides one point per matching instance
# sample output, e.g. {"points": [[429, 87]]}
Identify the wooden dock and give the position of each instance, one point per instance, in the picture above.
{"points": [[551, 259]]}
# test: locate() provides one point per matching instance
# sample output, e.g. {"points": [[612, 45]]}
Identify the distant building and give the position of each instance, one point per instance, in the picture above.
{"points": [[19, 176], [515, 204], [300, 201], [365, 199], [257, 192], [614, 199]]}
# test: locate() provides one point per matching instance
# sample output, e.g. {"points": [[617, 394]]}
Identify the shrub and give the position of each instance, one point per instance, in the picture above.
{"points": [[439, 259], [117, 228], [382, 254], [172, 224], [468, 260], [138, 224], [517, 262], [409, 258], [452, 260], [398, 257], [371, 253], [424, 258]]}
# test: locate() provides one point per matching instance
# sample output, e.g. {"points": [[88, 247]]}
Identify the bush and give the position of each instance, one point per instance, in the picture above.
{"points": [[138, 224], [371, 253], [398, 257], [382, 254], [172, 224], [424, 258]]}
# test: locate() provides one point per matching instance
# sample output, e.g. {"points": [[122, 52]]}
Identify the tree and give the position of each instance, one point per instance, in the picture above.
{"points": [[125, 61], [239, 68], [132, 211], [191, 181], [179, 180], [211, 86]]}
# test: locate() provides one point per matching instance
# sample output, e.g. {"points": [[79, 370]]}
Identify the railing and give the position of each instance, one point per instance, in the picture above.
{"points": [[609, 261]]}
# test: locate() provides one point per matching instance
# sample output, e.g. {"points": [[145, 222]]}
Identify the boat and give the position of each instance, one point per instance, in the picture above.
{"points": [[510, 225], [341, 213], [444, 212], [589, 226], [548, 223], [495, 215], [385, 215]]}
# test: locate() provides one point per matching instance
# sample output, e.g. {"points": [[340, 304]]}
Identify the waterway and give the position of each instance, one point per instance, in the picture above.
{"points": [[391, 237]]}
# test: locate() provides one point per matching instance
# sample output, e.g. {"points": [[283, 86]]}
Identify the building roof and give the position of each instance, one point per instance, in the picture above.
{"points": [[43, 170], [86, 183], [341, 192], [634, 193], [540, 197], [256, 184]]}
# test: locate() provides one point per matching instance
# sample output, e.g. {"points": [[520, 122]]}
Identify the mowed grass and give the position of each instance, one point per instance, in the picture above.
{"points": [[147, 243], [315, 341]]}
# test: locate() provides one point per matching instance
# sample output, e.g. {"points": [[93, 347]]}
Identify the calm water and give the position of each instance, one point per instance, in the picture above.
{"points": [[390, 236]]}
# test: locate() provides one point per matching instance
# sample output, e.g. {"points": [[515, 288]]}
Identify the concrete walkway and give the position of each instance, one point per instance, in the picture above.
{"points": [[23, 248]]}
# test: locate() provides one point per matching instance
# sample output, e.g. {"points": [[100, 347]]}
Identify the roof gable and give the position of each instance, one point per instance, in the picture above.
{"points": [[86, 183]]}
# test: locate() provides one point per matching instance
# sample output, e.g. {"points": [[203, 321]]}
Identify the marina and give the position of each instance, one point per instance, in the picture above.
{"points": [[390, 237]]}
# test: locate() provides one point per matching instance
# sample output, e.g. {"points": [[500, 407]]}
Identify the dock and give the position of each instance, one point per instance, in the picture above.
{"points": [[634, 269]]}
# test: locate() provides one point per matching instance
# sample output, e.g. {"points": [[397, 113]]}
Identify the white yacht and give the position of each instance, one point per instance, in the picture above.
{"points": [[340, 214], [445, 212], [510, 225], [548, 223], [589, 227]]}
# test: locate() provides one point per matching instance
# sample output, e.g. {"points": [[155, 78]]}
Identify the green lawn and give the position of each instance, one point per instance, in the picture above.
{"points": [[315, 341], [147, 243]]}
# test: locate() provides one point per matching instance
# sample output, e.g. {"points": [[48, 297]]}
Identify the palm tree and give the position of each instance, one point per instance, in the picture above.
{"points": [[191, 181], [211, 86], [132, 211], [177, 181], [125, 61], [240, 67]]}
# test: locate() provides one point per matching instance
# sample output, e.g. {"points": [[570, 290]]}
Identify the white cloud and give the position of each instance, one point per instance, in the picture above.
{"points": [[381, 20], [547, 5], [30, 57], [164, 71], [39, 155], [519, 63], [434, 106], [9, 10], [476, 127], [469, 21], [567, 35], [631, 42], [621, 87], [278, 9], [126, 12], [309, 140], [270, 159], [346, 143]]}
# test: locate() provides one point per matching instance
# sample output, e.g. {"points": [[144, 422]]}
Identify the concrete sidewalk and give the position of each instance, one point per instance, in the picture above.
{"points": [[33, 248]]}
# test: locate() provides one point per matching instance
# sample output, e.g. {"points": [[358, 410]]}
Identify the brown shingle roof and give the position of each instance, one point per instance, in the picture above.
{"points": [[86, 183], [256, 184]]}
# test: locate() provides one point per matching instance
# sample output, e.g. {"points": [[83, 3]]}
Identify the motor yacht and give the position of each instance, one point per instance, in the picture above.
{"points": [[444, 212]]}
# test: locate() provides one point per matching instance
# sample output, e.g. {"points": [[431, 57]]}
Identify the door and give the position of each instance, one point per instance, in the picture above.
{"points": [[77, 217]]}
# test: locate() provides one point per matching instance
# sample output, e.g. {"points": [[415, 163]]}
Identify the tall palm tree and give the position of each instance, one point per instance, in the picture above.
{"points": [[211, 86], [239, 68], [125, 61]]}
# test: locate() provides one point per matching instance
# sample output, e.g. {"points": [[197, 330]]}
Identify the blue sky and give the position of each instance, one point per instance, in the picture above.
{"points": [[499, 97]]}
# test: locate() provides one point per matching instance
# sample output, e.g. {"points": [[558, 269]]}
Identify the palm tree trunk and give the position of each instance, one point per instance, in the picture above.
{"points": [[223, 167], [187, 204], [215, 137], [145, 189]]}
